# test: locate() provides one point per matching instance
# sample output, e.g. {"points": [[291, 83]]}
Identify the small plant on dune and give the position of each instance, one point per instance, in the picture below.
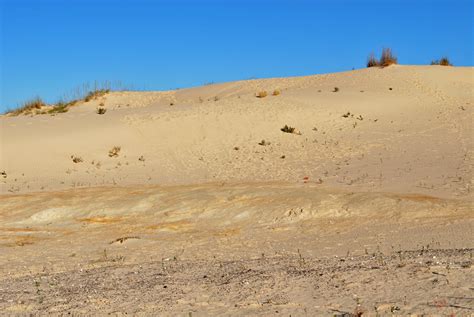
{"points": [[29, 107], [276, 92], [372, 61], [443, 62], [387, 58], [335, 89], [101, 110], [288, 129], [76, 159], [114, 152], [94, 94], [261, 94]]}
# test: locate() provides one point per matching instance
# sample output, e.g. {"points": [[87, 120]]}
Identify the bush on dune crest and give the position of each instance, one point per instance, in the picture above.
{"points": [[443, 62], [387, 59], [372, 61]]}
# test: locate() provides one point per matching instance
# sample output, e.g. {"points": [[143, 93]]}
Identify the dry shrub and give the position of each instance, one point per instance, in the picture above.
{"points": [[276, 92], [372, 61], [288, 129], [101, 110], [443, 62], [114, 152], [387, 58], [76, 159], [261, 94]]}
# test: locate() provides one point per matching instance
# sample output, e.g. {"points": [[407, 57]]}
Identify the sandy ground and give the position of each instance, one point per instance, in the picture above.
{"points": [[210, 209]]}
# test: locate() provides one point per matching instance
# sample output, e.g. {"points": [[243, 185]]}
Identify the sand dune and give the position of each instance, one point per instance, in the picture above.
{"points": [[374, 190], [408, 130]]}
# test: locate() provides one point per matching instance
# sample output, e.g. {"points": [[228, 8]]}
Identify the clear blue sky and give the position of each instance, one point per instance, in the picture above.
{"points": [[50, 47]]}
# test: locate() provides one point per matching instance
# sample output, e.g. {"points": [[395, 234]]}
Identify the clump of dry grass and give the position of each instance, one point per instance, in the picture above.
{"points": [[262, 94], [114, 152], [387, 58], [276, 92], [372, 61], [76, 159], [28, 107], [101, 110], [96, 93], [288, 129], [444, 61], [84, 93], [60, 107]]}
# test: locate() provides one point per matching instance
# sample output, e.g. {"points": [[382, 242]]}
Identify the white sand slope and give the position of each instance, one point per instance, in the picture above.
{"points": [[409, 130], [210, 209]]}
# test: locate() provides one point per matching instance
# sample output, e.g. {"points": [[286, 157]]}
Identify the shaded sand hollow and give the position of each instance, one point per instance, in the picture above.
{"points": [[208, 208]]}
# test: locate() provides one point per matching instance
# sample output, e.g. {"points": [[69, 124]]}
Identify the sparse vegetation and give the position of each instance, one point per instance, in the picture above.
{"points": [[372, 61], [264, 143], [335, 89], [387, 59], [60, 107], [114, 152], [28, 107], [288, 129], [123, 239], [101, 110], [276, 92], [96, 93], [37, 105], [261, 94], [444, 61], [76, 159]]}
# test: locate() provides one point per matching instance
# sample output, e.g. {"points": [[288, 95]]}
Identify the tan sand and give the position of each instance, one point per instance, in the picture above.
{"points": [[208, 208]]}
